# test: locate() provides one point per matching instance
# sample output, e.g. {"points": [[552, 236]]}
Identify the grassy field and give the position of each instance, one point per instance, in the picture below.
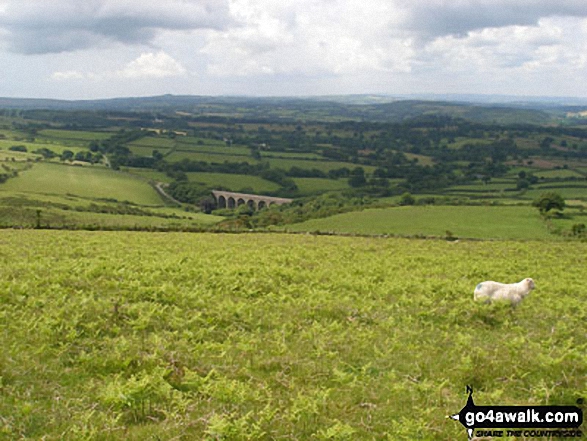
{"points": [[153, 143], [134, 336], [199, 142], [573, 190], [28, 210], [559, 173], [9, 155], [214, 149], [148, 174], [422, 159], [88, 182], [140, 150], [319, 185], [56, 147], [208, 157], [74, 135], [234, 182], [325, 166], [461, 221], [480, 187], [291, 155], [51, 217]]}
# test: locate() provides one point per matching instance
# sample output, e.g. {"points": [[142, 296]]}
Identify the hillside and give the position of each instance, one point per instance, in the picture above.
{"points": [[506, 110], [215, 336]]}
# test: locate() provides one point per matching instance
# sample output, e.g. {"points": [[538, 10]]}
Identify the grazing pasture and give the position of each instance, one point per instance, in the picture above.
{"points": [[88, 182], [319, 185], [233, 182], [488, 222], [134, 336]]}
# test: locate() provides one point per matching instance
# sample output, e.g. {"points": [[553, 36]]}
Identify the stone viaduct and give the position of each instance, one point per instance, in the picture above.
{"points": [[228, 199]]}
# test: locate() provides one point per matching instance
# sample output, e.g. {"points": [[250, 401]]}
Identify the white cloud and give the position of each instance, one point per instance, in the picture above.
{"points": [[68, 75], [152, 65], [308, 38], [147, 66], [548, 44]]}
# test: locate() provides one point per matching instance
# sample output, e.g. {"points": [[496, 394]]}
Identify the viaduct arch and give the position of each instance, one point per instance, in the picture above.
{"points": [[229, 199]]}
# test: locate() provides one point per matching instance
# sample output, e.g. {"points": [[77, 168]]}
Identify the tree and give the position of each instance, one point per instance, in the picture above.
{"points": [[407, 199], [66, 155], [522, 184], [549, 201], [357, 177]]}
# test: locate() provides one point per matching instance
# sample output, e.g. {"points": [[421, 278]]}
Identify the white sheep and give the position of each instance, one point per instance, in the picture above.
{"points": [[510, 292]]}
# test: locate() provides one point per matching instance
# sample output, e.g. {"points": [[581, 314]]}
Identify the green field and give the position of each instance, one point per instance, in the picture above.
{"points": [[30, 210], [422, 159], [140, 150], [209, 157], [567, 190], [9, 155], [87, 182], [462, 221], [137, 336], [217, 150], [55, 147], [233, 182], [480, 187], [324, 166], [558, 173], [74, 135], [319, 185], [291, 155], [153, 143], [148, 174], [199, 142]]}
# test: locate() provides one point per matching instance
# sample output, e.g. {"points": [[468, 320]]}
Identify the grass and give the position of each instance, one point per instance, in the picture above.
{"points": [[10, 156], [26, 217], [25, 210], [153, 143], [149, 174], [57, 148], [208, 157], [140, 150], [87, 182], [234, 182], [480, 187], [217, 150], [191, 140], [324, 166], [291, 155], [422, 159], [308, 186], [462, 221], [558, 173], [133, 336], [577, 191], [74, 135]]}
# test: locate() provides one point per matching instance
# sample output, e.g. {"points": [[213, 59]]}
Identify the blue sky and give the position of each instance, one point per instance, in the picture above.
{"points": [[73, 49]]}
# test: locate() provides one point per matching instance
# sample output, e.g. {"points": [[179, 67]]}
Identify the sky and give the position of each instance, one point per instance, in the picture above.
{"points": [[90, 49]]}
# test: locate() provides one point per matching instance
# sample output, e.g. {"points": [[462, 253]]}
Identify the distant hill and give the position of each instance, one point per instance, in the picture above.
{"points": [[334, 108]]}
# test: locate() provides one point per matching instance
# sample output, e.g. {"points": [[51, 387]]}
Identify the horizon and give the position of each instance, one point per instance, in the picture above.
{"points": [[473, 98]]}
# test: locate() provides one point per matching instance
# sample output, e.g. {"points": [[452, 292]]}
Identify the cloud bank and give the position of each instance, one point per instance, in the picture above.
{"points": [[40, 26], [301, 46]]}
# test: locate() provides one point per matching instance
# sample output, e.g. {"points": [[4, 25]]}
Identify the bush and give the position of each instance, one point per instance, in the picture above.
{"points": [[549, 201], [578, 229], [407, 199]]}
